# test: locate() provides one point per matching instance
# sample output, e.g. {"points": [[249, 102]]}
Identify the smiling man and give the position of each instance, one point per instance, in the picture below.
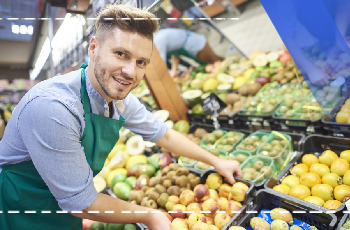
{"points": [[62, 130]]}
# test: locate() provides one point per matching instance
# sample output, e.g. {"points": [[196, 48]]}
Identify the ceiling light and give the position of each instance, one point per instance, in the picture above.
{"points": [[30, 30], [23, 29], [15, 29]]}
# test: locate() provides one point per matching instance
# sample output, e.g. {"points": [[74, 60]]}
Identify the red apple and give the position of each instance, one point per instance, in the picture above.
{"points": [[164, 160], [141, 181]]}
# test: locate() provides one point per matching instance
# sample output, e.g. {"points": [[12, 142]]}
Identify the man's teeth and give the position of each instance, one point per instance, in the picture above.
{"points": [[123, 82]]}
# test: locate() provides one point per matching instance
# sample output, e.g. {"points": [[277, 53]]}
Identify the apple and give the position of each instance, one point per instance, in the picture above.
{"points": [[164, 160]]}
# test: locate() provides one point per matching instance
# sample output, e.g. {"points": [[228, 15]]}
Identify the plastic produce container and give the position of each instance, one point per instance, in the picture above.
{"points": [[313, 144], [258, 134], [204, 142], [281, 153], [237, 137], [267, 169], [265, 199], [238, 152]]}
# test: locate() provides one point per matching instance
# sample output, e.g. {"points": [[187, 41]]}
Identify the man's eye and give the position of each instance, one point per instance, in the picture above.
{"points": [[141, 63], [120, 54]]}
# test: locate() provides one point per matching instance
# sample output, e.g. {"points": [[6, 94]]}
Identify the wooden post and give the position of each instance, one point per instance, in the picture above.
{"points": [[163, 88]]}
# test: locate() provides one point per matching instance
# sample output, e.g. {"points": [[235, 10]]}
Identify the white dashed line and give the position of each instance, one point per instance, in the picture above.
{"points": [[108, 19], [29, 211], [12, 18], [76, 212], [330, 211], [45, 211], [93, 211], [346, 212], [13, 212], [29, 19], [109, 211], [61, 212]]}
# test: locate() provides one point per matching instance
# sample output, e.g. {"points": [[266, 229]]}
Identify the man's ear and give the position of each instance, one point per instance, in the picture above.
{"points": [[92, 48]]}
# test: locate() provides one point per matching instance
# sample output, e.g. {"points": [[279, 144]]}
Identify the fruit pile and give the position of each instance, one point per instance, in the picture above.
{"points": [[343, 116], [253, 142], [276, 219], [257, 169], [261, 105], [323, 180], [217, 201], [276, 148], [171, 181]]}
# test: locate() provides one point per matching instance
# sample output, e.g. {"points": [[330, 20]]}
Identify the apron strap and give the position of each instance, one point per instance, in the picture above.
{"points": [[84, 95]]}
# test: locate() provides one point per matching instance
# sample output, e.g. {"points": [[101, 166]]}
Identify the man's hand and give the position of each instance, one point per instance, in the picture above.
{"points": [[159, 221], [228, 169], [318, 77]]}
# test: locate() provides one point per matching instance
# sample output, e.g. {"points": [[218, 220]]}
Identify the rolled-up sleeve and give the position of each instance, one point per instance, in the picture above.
{"points": [[51, 132], [141, 121]]}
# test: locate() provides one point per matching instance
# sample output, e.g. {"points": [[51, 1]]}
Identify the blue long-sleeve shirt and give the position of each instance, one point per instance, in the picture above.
{"points": [[46, 127]]}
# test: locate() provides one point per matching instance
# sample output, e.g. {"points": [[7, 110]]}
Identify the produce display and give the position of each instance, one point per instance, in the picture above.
{"points": [[96, 225], [275, 219], [258, 168], [346, 225], [323, 180]]}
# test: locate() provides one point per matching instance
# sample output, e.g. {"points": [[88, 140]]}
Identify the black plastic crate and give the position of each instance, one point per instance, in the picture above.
{"points": [[335, 128], [267, 199], [342, 221], [314, 144], [200, 118], [305, 126], [257, 122]]}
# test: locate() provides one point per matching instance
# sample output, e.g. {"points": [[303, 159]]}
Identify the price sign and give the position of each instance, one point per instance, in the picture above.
{"points": [[212, 105]]}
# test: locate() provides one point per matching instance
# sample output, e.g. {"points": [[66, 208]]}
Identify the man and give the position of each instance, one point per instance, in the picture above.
{"points": [[175, 42], [63, 129]]}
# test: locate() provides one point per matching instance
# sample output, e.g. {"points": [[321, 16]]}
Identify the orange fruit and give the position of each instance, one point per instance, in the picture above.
{"points": [[315, 200], [328, 157], [282, 188], [332, 204], [345, 155], [300, 169], [323, 191], [319, 169], [291, 181], [340, 166], [309, 159], [332, 179], [342, 117], [300, 191], [342, 193], [310, 179]]}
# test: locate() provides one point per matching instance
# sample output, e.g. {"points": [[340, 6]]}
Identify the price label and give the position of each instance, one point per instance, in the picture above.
{"points": [[212, 105]]}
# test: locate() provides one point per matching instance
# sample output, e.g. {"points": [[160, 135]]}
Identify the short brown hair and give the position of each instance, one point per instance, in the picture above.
{"points": [[125, 18]]}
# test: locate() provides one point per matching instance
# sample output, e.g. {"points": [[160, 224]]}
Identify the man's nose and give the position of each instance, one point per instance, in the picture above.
{"points": [[130, 69]]}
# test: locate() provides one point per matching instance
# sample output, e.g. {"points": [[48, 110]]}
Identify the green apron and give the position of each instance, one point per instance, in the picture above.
{"points": [[22, 188], [184, 52]]}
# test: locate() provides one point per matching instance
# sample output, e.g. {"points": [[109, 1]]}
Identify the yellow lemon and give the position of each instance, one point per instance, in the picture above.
{"points": [[345, 155], [323, 191], [332, 204], [282, 188], [333, 179], [291, 181], [300, 191], [309, 159], [319, 169], [315, 200], [300, 169], [116, 148], [328, 157]]}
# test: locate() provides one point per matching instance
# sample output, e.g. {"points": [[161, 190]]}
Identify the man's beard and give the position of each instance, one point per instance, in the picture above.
{"points": [[102, 80]]}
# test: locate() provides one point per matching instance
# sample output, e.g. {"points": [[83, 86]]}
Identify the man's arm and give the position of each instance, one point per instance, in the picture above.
{"points": [[114, 208], [175, 60], [179, 144]]}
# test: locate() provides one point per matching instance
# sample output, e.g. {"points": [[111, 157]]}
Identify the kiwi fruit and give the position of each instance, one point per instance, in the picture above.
{"points": [[194, 182], [145, 188], [232, 158], [173, 180], [267, 170], [153, 181], [257, 144], [256, 175], [182, 181], [241, 158], [173, 167], [149, 191], [164, 177], [188, 186], [144, 201], [224, 142], [215, 152], [167, 183], [139, 196], [248, 170], [160, 189], [263, 138], [249, 141], [132, 195], [283, 142], [191, 176], [275, 142], [258, 165], [255, 138], [171, 174], [165, 170], [247, 176], [230, 134], [133, 202], [241, 146], [274, 153], [151, 204], [153, 195], [182, 171], [278, 147], [250, 147], [218, 134], [163, 198], [174, 191]]}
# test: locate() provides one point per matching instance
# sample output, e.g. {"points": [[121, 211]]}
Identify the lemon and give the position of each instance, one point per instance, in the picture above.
{"points": [[315, 200], [345, 155], [118, 147], [210, 84]]}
